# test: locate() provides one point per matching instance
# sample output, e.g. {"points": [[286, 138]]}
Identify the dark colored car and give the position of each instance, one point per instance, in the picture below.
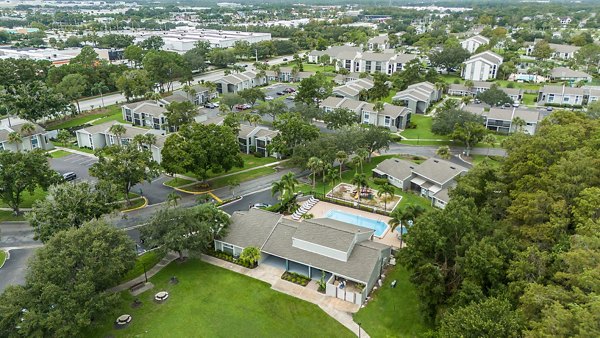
{"points": [[280, 93], [70, 176]]}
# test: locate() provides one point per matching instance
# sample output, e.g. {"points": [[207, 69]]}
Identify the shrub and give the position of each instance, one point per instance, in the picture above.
{"points": [[411, 125], [380, 181], [510, 85]]}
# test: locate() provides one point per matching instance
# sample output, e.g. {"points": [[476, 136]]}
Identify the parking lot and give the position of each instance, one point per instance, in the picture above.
{"points": [[154, 191]]}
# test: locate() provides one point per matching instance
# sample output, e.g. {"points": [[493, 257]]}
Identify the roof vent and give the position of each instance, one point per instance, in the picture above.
{"points": [[453, 168], [436, 161]]}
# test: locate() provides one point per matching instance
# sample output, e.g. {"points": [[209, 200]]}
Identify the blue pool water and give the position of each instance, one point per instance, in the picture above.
{"points": [[379, 226]]}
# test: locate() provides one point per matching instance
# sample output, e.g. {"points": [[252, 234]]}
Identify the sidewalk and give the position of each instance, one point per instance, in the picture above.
{"points": [[171, 256]]}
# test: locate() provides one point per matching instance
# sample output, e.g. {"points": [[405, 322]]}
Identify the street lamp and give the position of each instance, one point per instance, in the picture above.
{"points": [[359, 329]]}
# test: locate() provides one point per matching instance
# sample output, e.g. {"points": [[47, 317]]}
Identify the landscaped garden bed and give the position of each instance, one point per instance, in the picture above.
{"points": [[349, 194], [227, 257], [295, 278]]}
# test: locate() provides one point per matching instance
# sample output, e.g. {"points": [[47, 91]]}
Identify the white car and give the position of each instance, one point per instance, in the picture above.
{"points": [[268, 98]]}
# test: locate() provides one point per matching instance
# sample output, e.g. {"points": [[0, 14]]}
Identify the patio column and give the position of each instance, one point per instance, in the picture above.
{"points": [[287, 265], [309, 272]]}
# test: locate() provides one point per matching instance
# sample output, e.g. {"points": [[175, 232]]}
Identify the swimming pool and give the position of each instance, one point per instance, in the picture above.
{"points": [[373, 224]]}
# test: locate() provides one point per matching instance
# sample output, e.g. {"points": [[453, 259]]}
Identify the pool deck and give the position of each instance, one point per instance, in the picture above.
{"points": [[322, 208]]}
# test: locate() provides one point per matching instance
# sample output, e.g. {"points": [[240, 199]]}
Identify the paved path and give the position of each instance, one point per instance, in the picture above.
{"points": [[171, 256], [336, 308], [429, 151]]}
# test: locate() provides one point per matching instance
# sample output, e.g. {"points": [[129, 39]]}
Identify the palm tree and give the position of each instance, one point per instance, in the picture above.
{"points": [[467, 99], [378, 107], [190, 91], [330, 176], [519, 123], [489, 139], [285, 186], [118, 130], [262, 74], [341, 157], [441, 86], [173, 199], [387, 191], [253, 119], [359, 180], [403, 217], [443, 152], [277, 70], [233, 184], [153, 96], [469, 85], [314, 164], [100, 88], [15, 138], [362, 155]]}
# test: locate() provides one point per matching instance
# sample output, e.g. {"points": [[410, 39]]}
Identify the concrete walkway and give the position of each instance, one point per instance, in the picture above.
{"points": [[159, 266], [336, 308]]}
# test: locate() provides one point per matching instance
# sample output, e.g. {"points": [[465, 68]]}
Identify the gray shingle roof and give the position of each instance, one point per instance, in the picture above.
{"points": [[438, 170], [251, 228], [360, 265], [329, 233], [564, 72], [397, 168]]}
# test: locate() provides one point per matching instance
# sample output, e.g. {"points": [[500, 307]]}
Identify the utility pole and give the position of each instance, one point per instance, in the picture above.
{"points": [[256, 54]]}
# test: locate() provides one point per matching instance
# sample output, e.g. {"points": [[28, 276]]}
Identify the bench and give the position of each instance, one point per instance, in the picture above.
{"points": [[137, 286]]}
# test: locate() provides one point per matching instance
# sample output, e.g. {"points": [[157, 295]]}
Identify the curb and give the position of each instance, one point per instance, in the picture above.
{"points": [[467, 162], [6, 259], [138, 208]]}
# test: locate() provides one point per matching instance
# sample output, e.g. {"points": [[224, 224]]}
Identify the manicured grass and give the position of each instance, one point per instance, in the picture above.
{"points": [[388, 98], [393, 312], [104, 114], [59, 154], [451, 78], [423, 129], [210, 301], [493, 161], [27, 199], [240, 177], [311, 67], [115, 114], [250, 161], [135, 203], [2, 257], [8, 216], [529, 99], [348, 174], [521, 85], [145, 261], [177, 182]]}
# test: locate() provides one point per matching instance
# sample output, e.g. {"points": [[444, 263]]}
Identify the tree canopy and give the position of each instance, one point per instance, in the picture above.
{"points": [[509, 256]]}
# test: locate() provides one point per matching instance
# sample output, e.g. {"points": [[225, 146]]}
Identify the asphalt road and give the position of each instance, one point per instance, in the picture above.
{"points": [[118, 98], [14, 270]]}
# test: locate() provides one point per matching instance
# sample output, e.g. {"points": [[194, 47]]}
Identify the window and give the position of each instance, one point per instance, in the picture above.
{"points": [[111, 139], [91, 141], [566, 99], [2, 146], [386, 121], [34, 142], [366, 117], [550, 98]]}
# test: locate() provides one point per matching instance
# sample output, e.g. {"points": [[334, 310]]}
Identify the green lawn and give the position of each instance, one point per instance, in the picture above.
{"points": [[147, 261], [423, 129], [59, 154], [311, 67], [74, 147], [113, 114], [135, 203], [220, 182], [491, 160], [27, 199], [451, 78], [75, 121], [8, 216], [529, 99], [210, 301], [521, 85], [348, 174], [393, 312], [250, 161], [2, 257], [177, 182]]}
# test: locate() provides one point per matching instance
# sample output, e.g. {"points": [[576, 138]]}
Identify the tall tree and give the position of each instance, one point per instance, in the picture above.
{"points": [[445, 121], [469, 134], [70, 205], [34, 101], [272, 108], [451, 57], [314, 89], [152, 43], [72, 87], [251, 95], [339, 118], [293, 131], [66, 282], [23, 171], [134, 83], [495, 97], [180, 113], [124, 166], [181, 229], [198, 149]]}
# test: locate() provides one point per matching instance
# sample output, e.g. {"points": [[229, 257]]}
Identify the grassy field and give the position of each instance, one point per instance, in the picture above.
{"points": [[529, 99], [27, 199], [491, 160], [521, 85], [115, 116], [59, 154], [135, 203], [348, 174], [210, 301], [423, 129], [108, 113], [147, 261], [8, 216], [220, 182], [74, 147], [2, 257], [250, 161], [393, 312]]}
